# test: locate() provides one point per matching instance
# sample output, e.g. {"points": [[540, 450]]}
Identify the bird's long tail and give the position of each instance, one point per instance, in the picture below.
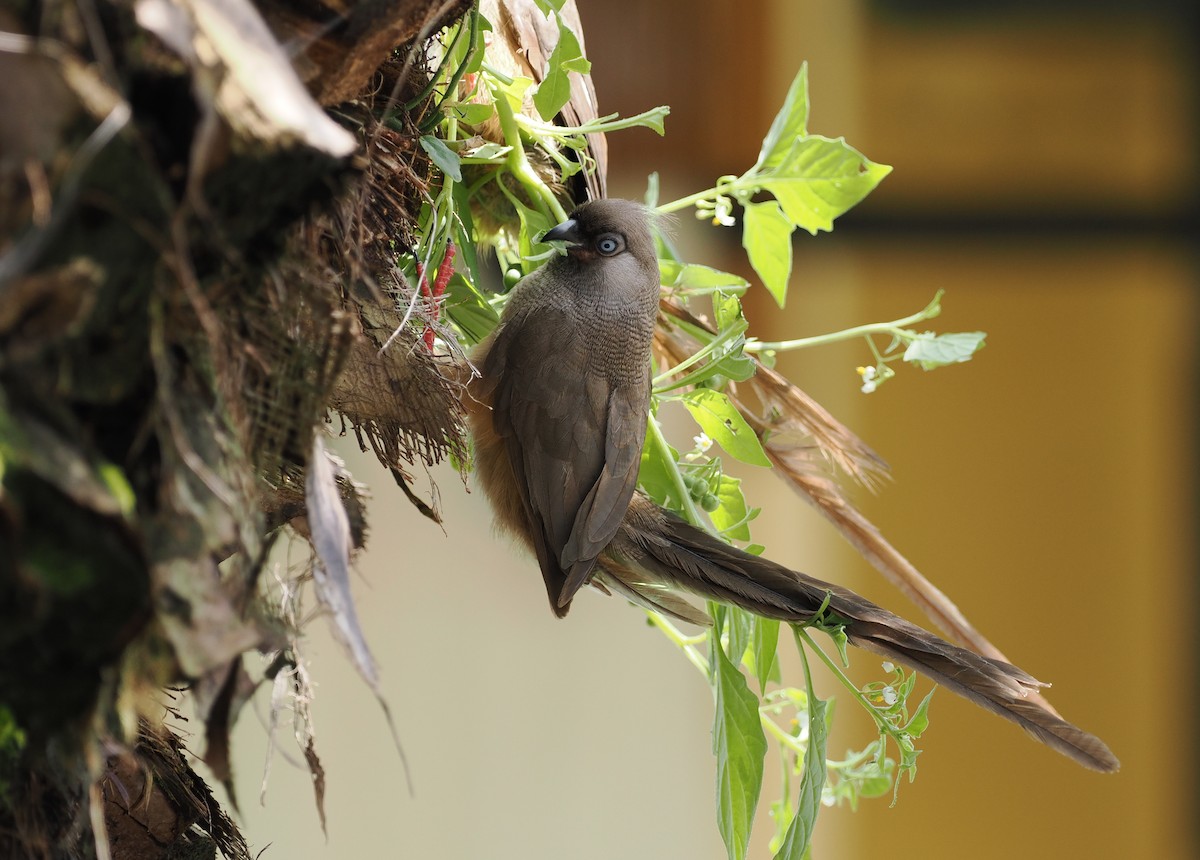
{"points": [[684, 556]]}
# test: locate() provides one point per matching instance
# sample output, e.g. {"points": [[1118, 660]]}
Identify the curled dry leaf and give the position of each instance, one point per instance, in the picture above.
{"points": [[329, 529], [329, 533]]}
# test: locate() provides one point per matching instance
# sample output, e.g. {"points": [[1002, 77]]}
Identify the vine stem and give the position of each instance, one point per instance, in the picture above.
{"points": [[517, 162], [802, 634], [686, 644], [602, 126], [894, 328], [781, 736], [690, 200]]}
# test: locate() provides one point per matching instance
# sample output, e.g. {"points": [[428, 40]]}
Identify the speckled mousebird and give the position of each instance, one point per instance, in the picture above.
{"points": [[559, 418]]}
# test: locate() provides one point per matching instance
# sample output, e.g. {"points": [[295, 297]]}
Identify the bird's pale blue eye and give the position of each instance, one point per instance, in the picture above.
{"points": [[609, 244]]}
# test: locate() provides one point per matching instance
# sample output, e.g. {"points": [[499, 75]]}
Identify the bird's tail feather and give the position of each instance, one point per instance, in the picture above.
{"points": [[692, 559]]}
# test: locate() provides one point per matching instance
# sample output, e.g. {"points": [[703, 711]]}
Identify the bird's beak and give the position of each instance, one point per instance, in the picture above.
{"points": [[567, 231]]}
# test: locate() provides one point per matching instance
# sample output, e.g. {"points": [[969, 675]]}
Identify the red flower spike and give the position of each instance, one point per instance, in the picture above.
{"points": [[445, 272]]}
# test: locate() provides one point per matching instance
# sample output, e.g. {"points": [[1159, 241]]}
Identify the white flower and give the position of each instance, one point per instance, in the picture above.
{"points": [[889, 666], [723, 212], [703, 443], [889, 696], [868, 378]]}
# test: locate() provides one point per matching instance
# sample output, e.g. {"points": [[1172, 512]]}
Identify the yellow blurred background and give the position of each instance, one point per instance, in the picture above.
{"points": [[1045, 178]]}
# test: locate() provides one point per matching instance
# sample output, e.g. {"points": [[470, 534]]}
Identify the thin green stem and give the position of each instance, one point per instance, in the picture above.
{"points": [[894, 328], [451, 136], [497, 74], [686, 644], [780, 735], [742, 187], [879, 359], [690, 200], [801, 633], [596, 126]]}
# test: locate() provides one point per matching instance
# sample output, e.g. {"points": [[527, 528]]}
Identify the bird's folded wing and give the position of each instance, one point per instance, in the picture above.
{"points": [[574, 441]]}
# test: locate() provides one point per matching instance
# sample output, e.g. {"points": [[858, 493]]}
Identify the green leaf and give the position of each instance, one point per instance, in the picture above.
{"points": [[547, 5], [579, 64], [740, 747], [464, 231], [908, 762], [727, 311], [732, 518], [721, 355], [534, 223], [114, 479], [764, 642], [874, 778], [490, 151], [928, 350], [789, 124], [724, 425], [725, 361], [12, 737], [812, 781], [469, 112], [698, 280], [653, 119], [820, 179], [514, 93], [656, 477], [442, 156], [555, 89], [469, 310], [840, 640], [738, 624], [767, 238], [812, 776], [920, 718], [460, 43]]}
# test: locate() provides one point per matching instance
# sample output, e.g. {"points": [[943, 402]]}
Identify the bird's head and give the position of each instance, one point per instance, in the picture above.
{"points": [[608, 232]]}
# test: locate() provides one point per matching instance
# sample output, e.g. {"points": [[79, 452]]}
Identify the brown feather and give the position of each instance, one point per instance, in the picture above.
{"points": [[659, 542]]}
